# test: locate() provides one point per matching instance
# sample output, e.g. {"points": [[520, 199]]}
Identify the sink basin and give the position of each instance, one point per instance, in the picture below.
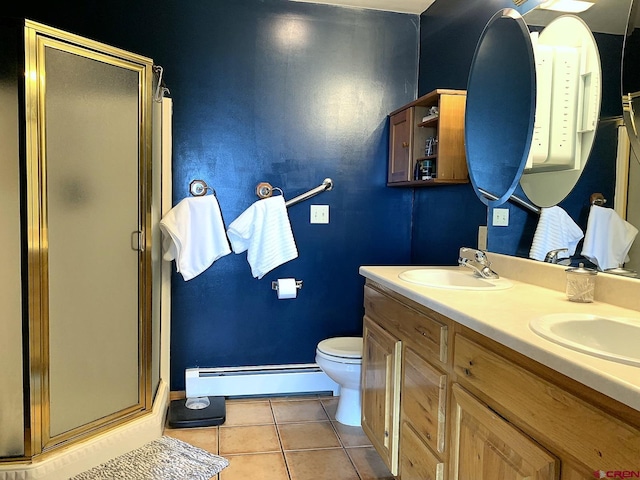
{"points": [[611, 338], [454, 279]]}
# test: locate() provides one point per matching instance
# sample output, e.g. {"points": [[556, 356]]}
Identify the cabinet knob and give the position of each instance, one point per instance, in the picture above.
{"points": [[386, 434], [405, 144]]}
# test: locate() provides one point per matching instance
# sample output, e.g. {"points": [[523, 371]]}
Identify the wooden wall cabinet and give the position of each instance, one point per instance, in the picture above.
{"points": [[411, 126], [479, 410]]}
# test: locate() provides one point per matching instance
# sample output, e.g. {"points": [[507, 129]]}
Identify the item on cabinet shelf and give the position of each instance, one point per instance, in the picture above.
{"points": [[431, 146], [428, 169], [433, 113], [581, 284]]}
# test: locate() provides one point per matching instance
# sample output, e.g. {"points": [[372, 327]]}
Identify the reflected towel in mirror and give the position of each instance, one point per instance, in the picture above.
{"points": [[556, 229], [194, 235], [608, 238], [264, 231]]}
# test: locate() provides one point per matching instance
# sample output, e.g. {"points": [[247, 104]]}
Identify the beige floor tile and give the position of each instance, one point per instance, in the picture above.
{"points": [[325, 464], [330, 405], [248, 413], [259, 466], [204, 438], [308, 435], [298, 411], [248, 439], [351, 436], [369, 464]]}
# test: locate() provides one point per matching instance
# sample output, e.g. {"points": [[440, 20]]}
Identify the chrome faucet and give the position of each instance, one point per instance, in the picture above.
{"points": [[552, 255], [477, 261]]}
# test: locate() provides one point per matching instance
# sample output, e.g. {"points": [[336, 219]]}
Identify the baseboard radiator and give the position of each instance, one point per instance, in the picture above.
{"points": [[263, 380]]}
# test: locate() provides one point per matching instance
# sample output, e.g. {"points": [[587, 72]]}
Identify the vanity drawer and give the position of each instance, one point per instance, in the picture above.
{"points": [[562, 422], [423, 331], [424, 397]]}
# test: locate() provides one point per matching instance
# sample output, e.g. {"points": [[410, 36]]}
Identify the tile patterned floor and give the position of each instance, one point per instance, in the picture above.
{"points": [[287, 439]]}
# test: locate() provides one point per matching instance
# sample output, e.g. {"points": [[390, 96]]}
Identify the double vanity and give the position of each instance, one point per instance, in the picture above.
{"points": [[472, 378]]}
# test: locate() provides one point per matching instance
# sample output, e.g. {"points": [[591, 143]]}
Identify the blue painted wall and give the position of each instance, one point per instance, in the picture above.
{"points": [[284, 92], [447, 218]]}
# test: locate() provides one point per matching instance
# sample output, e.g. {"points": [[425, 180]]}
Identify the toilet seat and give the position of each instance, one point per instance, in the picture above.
{"points": [[341, 349]]}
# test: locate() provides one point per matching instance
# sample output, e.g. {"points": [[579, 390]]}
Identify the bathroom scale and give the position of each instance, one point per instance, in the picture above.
{"points": [[196, 412]]}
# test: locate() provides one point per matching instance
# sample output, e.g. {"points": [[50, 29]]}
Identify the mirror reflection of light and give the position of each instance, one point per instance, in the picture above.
{"points": [[567, 6], [290, 31]]}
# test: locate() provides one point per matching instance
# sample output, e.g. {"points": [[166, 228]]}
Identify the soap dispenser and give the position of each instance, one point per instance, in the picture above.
{"points": [[581, 284]]}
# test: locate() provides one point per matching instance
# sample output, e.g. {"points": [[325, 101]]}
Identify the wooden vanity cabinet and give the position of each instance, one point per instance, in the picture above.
{"points": [[464, 407], [587, 431], [415, 445], [409, 131], [485, 446]]}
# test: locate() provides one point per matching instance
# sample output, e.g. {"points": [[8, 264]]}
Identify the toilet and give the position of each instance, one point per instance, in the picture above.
{"points": [[340, 358]]}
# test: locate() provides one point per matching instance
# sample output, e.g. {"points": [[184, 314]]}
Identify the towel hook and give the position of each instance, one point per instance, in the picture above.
{"points": [[265, 190], [198, 188], [597, 199]]}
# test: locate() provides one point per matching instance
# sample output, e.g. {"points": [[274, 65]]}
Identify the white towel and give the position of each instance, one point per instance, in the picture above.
{"points": [[608, 238], [264, 231], [555, 230], [193, 235]]}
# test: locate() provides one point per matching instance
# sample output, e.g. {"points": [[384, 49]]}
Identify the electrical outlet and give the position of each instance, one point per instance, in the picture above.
{"points": [[319, 214], [500, 217]]}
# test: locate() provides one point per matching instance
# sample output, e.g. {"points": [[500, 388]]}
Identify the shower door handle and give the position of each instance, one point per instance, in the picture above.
{"points": [[137, 241]]}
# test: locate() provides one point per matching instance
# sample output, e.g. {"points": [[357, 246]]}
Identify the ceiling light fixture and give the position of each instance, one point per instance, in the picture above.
{"points": [[567, 6]]}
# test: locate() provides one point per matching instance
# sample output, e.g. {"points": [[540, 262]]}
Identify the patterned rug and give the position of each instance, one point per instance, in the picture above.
{"points": [[164, 459]]}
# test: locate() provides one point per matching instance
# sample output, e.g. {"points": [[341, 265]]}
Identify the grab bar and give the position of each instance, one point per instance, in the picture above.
{"points": [[327, 184], [514, 199], [265, 190]]}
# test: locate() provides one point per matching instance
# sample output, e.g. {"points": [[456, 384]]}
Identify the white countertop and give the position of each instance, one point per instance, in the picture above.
{"points": [[504, 316]]}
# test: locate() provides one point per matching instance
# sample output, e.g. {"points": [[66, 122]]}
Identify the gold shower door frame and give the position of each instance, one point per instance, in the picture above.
{"points": [[39, 38]]}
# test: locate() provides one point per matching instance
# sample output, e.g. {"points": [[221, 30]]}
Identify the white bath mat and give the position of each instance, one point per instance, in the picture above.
{"points": [[164, 459]]}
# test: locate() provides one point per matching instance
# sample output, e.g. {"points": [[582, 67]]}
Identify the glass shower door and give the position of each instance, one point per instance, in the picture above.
{"points": [[93, 214]]}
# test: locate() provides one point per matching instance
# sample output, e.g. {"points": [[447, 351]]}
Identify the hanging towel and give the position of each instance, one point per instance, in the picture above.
{"points": [[608, 238], [193, 235], [264, 231], [555, 230]]}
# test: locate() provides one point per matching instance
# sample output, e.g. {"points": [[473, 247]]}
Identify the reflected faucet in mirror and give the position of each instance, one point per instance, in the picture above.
{"points": [[552, 256], [477, 261]]}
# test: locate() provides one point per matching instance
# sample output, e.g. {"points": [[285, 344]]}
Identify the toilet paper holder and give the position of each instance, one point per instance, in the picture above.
{"points": [[274, 285]]}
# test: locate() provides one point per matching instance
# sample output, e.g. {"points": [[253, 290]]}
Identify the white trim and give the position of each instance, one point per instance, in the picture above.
{"points": [[258, 380], [622, 172]]}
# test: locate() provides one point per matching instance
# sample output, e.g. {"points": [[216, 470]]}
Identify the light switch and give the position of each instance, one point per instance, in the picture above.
{"points": [[319, 214]]}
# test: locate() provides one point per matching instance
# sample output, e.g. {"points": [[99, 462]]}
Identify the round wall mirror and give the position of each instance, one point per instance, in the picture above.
{"points": [[500, 107], [533, 103], [568, 92]]}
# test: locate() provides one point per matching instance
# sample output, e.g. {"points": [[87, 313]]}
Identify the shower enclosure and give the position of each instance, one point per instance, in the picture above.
{"points": [[79, 343]]}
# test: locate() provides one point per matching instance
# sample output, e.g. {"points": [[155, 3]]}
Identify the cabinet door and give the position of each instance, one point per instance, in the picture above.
{"points": [[424, 399], [400, 146], [486, 447], [381, 391]]}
